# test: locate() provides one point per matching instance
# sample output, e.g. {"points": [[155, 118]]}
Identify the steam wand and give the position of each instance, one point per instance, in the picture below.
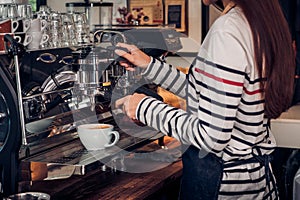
{"points": [[16, 49]]}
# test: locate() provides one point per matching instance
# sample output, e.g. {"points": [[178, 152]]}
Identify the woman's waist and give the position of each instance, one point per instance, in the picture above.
{"points": [[232, 153]]}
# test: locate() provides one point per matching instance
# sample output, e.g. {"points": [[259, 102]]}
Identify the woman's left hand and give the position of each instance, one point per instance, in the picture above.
{"points": [[129, 104]]}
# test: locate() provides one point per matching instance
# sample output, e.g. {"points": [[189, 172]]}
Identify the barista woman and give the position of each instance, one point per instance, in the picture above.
{"points": [[241, 78]]}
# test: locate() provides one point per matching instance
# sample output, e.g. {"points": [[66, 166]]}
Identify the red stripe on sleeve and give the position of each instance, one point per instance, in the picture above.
{"points": [[252, 92], [229, 82]]}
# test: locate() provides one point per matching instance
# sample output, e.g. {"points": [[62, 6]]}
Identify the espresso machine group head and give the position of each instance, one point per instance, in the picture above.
{"points": [[98, 68], [90, 64]]}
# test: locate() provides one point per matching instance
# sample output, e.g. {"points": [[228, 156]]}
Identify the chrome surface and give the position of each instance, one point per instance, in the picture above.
{"points": [[4, 119], [29, 196], [20, 102], [52, 82], [47, 58], [2, 116]]}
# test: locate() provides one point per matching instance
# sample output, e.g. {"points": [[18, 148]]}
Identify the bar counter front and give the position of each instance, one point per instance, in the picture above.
{"points": [[149, 173]]}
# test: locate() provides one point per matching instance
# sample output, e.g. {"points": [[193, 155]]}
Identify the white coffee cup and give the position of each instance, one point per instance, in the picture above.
{"points": [[23, 38], [37, 25], [38, 39], [17, 38], [97, 136], [26, 25], [14, 25]]}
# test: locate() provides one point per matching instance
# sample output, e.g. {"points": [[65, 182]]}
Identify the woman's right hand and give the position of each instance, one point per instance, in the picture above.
{"points": [[134, 55]]}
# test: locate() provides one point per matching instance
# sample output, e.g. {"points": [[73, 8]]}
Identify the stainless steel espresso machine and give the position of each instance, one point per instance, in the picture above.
{"points": [[62, 88]]}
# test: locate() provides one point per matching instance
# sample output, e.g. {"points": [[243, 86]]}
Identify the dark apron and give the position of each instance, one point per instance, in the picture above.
{"points": [[201, 176], [202, 173]]}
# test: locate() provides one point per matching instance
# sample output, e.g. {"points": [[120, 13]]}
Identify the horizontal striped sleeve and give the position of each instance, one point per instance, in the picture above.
{"points": [[167, 77], [175, 122], [214, 93]]}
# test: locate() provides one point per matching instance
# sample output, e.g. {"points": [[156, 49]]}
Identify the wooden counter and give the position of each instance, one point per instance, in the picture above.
{"points": [[160, 182], [142, 186], [115, 186]]}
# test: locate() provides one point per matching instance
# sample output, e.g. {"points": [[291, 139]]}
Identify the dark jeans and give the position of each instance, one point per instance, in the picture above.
{"points": [[202, 175]]}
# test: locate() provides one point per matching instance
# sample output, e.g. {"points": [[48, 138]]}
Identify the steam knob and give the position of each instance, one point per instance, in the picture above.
{"points": [[2, 116]]}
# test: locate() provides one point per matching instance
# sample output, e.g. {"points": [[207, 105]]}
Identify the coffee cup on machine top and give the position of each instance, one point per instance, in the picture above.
{"points": [[38, 38], [37, 25], [23, 25], [23, 38]]}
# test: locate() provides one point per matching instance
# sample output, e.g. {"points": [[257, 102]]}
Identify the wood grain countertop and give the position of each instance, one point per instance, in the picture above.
{"points": [[143, 179]]}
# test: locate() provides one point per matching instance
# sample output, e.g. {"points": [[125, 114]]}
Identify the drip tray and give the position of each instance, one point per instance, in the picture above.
{"points": [[73, 159]]}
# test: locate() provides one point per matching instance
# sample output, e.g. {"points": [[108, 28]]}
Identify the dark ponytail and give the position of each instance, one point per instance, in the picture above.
{"points": [[274, 54]]}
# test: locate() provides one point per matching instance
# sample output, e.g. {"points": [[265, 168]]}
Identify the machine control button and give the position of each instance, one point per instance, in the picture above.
{"points": [[2, 116]]}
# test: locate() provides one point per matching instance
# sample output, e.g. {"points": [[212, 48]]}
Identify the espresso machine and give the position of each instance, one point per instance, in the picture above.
{"points": [[62, 88]]}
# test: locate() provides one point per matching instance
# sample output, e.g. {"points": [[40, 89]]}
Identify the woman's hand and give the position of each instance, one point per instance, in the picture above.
{"points": [[129, 104], [134, 55]]}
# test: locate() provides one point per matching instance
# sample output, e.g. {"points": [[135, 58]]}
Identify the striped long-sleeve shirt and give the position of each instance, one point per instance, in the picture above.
{"points": [[225, 107]]}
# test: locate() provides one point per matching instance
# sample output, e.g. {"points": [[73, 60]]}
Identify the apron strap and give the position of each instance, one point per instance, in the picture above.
{"points": [[264, 160]]}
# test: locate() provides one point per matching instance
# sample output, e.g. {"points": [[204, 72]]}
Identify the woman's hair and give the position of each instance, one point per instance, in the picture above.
{"points": [[275, 57]]}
